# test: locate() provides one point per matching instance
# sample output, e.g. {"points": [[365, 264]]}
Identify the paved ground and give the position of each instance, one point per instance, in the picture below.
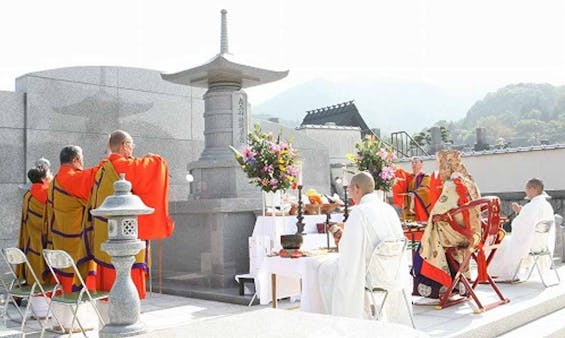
{"points": [[173, 316]]}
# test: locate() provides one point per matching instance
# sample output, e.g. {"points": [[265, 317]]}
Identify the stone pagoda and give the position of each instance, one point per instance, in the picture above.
{"points": [[226, 120], [210, 244]]}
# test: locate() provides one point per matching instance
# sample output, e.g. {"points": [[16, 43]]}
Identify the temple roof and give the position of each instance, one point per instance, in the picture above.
{"points": [[342, 114]]}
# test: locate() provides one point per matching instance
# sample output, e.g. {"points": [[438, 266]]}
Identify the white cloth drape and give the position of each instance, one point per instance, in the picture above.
{"points": [[342, 280], [524, 238]]}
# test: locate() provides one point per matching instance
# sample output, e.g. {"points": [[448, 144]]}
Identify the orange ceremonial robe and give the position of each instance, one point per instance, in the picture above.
{"points": [[400, 187], [66, 207], [150, 181], [32, 233], [415, 192]]}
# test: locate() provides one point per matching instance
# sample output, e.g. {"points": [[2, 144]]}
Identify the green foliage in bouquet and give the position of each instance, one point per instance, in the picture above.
{"points": [[269, 162], [375, 157]]}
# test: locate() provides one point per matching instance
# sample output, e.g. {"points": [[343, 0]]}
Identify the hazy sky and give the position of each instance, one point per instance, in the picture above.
{"points": [[463, 44]]}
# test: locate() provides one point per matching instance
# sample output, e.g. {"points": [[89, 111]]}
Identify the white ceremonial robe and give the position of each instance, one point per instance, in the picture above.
{"points": [[342, 280], [523, 238]]}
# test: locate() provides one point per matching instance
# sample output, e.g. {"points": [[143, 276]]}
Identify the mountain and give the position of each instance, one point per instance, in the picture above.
{"points": [[516, 115], [390, 105], [519, 101]]}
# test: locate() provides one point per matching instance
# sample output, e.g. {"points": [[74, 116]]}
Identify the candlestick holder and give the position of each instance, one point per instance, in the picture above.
{"points": [[346, 204], [299, 214], [327, 226]]}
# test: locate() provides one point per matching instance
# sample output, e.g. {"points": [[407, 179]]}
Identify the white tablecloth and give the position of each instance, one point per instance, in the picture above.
{"points": [[266, 237], [305, 268], [275, 226]]}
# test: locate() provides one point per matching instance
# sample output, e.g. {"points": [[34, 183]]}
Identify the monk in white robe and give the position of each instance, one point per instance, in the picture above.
{"points": [[523, 237], [342, 280]]}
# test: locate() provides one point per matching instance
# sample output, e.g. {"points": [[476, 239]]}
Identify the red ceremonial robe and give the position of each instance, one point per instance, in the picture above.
{"points": [[150, 181]]}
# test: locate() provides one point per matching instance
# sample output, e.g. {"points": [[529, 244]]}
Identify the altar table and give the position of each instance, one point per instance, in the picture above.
{"points": [[305, 268], [267, 233]]}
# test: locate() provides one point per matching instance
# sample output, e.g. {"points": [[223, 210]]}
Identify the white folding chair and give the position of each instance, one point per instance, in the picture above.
{"points": [[59, 259], [19, 288], [542, 230], [380, 278]]}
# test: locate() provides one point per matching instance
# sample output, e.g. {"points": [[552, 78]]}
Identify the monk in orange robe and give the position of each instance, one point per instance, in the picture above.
{"points": [[412, 192], [32, 232], [150, 181], [66, 206]]}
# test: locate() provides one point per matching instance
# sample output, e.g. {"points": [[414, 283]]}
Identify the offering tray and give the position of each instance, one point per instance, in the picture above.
{"points": [[292, 253]]}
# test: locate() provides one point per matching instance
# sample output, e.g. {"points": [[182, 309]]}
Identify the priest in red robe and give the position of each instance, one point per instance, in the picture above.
{"points": [[412, 192], [150, 181]]}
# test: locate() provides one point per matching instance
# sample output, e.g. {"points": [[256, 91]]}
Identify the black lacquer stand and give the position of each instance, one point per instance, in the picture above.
{"points": [[327, 226], [299, 215], [346, 202]]}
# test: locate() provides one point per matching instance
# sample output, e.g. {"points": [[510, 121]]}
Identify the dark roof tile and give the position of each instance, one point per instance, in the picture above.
{"points": [[342, 114]]}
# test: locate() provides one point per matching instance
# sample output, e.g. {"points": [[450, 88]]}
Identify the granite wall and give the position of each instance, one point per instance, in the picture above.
{"points": [[12, 165], [339, 140], [82, 105]]}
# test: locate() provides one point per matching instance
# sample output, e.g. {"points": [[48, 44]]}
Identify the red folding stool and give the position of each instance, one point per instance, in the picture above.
{"points": [[481, 252]]}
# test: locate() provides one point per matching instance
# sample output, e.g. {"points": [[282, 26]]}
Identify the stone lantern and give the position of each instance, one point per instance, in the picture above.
{"points": [[121, 210]]}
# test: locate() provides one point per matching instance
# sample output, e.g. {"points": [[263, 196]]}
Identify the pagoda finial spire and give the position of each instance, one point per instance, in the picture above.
{"points": [[224, 37]]}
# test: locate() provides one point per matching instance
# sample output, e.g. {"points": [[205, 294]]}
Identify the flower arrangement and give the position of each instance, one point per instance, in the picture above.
{"points": [[375, 157], [269, 162]]}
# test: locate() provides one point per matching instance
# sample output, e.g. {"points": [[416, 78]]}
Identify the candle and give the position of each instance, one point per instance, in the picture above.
{"points": [[299, 165]]}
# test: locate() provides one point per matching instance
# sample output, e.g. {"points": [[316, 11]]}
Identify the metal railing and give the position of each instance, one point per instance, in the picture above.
{"points": [[405, 146]]}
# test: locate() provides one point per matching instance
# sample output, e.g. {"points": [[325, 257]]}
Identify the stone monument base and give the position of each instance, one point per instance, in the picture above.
{"points": [[210, 243]]}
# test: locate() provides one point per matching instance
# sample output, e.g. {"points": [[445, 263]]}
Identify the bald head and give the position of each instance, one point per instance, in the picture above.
{"points": [[534, 187], [120, 142], [364, 181]]}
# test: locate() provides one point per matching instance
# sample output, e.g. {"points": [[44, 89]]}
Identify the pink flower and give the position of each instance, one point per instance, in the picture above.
{"points": [[387, 173], [292, 171], [248, 153], [274, 148], [383, 154]]}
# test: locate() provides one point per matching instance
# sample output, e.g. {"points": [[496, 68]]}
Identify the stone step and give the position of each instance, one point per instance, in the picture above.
{"points": [[529, 302], [225, 295], [551, 325]]}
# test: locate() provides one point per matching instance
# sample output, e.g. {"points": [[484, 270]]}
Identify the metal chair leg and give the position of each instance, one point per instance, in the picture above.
{"points": [[380, 313], [252, 299], [551, 267], [407, 303]]}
